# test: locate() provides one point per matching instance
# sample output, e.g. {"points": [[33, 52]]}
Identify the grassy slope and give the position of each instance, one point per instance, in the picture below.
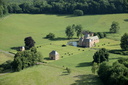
{"points": [[4, 57], [16, 27], [47, 75]]}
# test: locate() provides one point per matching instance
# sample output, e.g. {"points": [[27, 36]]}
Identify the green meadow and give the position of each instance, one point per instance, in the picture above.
{"points": [[15, 27]]}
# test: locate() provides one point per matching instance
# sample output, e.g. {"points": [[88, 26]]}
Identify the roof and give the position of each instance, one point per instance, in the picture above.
{"points": [[94, 37], [54, 52]]}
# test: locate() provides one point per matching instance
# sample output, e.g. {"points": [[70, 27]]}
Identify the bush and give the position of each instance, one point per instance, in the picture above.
{"points": [[50, 36], [78, 12]]}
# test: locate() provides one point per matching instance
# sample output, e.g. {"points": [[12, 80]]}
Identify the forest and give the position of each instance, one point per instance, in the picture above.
{"points": [[64, 6]]}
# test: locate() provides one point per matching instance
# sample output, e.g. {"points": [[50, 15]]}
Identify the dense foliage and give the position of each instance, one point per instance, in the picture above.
{"points": [[100, 56], [100, 34], [29, 42], [50, 36], [124, 42], [24, 59], [78, 12], [114, 27], [3, 8], [66, 7], [117, 74], [72, 30]]}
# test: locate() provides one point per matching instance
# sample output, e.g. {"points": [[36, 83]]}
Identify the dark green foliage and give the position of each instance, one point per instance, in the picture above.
{"points": [[78, 12], [117, 74], [100, 34], [78, 7], [124, 42], [29, 42], [114, 27], [24, 59], [78, 29], [100, 56], [50, 36], [5, 66], [69, 32]]}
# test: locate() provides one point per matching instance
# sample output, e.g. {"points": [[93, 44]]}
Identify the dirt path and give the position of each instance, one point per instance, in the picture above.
{"points": [[7, 52]]}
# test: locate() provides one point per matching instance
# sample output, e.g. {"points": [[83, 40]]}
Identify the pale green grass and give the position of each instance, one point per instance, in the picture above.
{"points": [[4, 57], [47, 75], [14, 28]]}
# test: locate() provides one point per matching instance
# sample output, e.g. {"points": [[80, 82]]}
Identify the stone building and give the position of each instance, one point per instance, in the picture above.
{"points": [[54, 55], [89, 40]]}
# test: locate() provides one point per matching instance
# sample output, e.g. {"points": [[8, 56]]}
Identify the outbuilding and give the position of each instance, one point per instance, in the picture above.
{"points": [[54, 55]]}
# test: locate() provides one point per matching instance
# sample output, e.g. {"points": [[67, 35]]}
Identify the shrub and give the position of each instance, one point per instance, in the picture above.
{"points": [[78, 12], [50, 36]]}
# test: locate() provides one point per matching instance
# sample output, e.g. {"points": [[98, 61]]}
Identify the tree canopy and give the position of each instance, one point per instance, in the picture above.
{"points": [[29, 42], [124, 42], [117, 74], [114, 27], [65, 6], [24, 59], [101, 55]]}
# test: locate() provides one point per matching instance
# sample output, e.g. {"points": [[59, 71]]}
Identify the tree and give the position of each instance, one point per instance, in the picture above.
{"points": [[29, 42], [114, 27], [100, 56], [24, 59], [50, 36], [124, 42], [78, 12], [115, 74], [69, 32], [78, 29]]}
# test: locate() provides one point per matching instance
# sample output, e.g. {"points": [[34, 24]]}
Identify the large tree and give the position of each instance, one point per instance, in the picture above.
{"points": [[124, 42], [24, 59], [29, 42], [78, 29], [69, 32], [114, 27], [100, 56]]}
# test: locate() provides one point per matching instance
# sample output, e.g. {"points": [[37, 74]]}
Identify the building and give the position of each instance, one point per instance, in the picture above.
{"points": [[88, 40], [54, 55], [22, 48]]}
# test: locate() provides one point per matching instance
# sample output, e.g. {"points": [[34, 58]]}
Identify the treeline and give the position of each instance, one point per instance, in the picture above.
{"points": [[68, 7]]}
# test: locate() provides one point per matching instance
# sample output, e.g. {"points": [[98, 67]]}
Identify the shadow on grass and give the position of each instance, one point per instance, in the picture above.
{"points": [[47, 58], [84, 64], [16, 48], [87, 80], [126, 20], [64, 73], [59, 38]]}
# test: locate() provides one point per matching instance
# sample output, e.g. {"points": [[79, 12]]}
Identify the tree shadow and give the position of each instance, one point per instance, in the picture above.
{"points": [[84, 64], [115, 51], [126, 20], [87, 80], [59, 38], [64, 73], [16, 48], [47, 58]]}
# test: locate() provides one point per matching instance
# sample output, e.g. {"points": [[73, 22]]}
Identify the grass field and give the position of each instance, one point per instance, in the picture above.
{"points": [[4, 57], [15, 27]]}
